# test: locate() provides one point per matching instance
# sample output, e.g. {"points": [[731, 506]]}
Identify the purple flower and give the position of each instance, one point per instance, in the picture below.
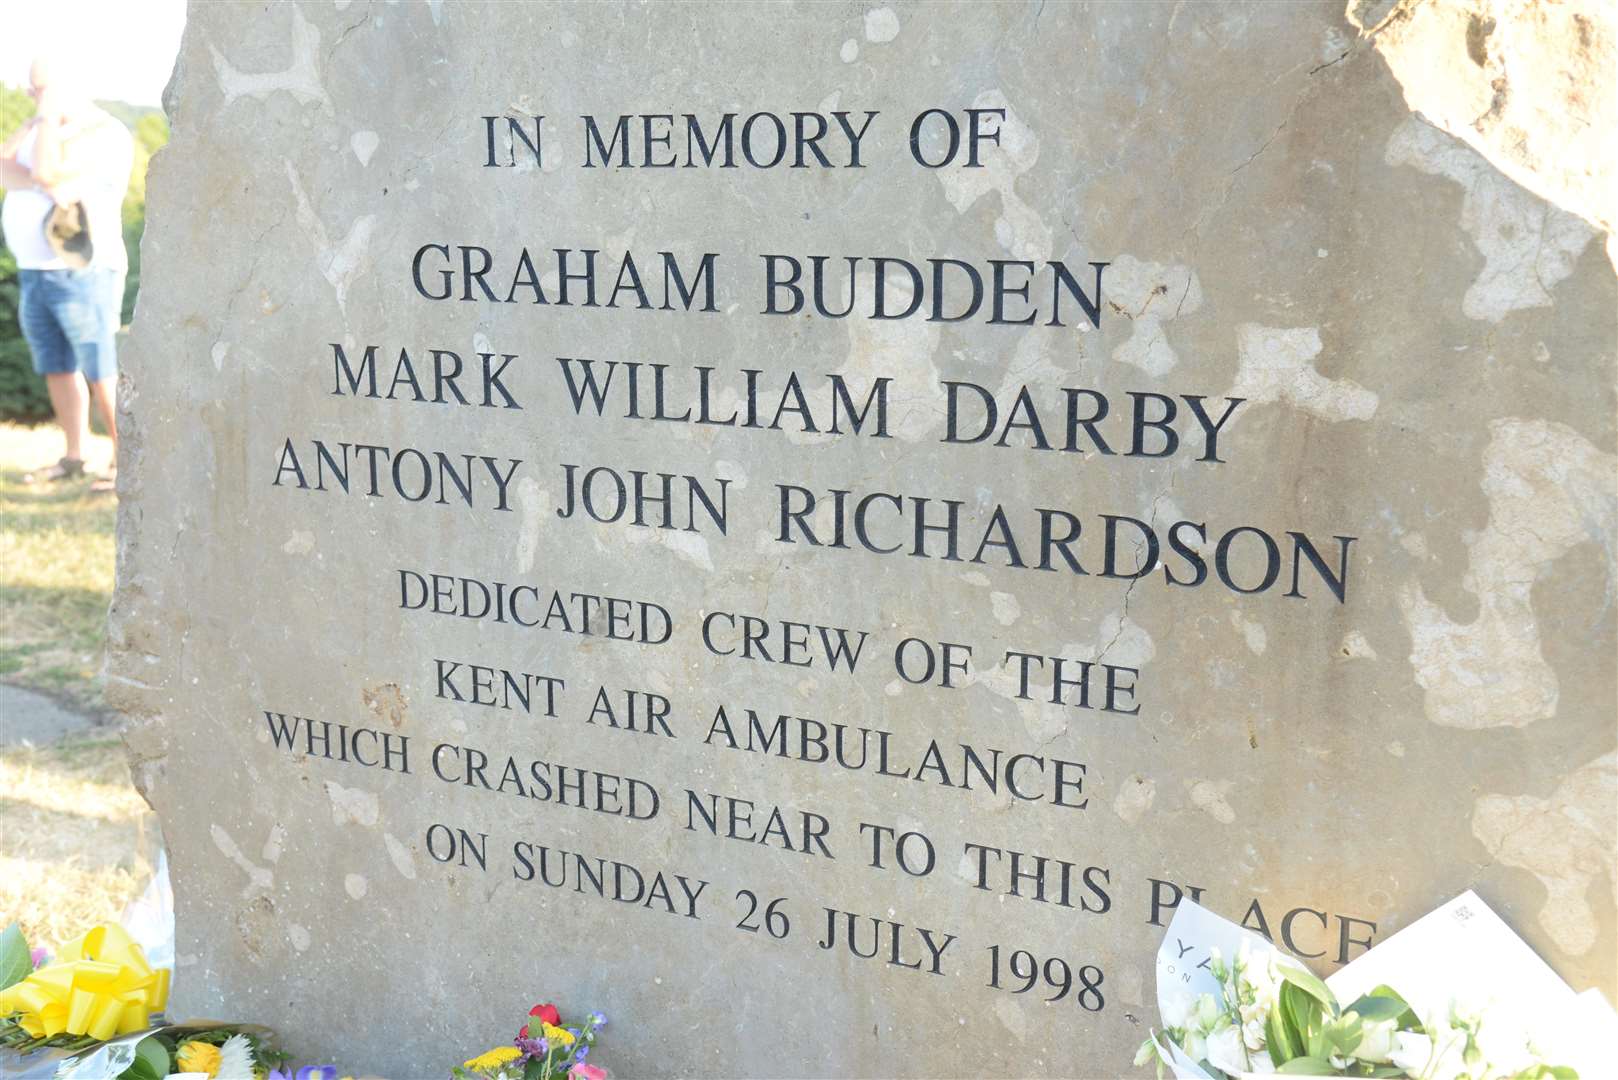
{"points": [[38, 956], [583, 1052], [598, 1020], [532, 1048], [307, 1072]]}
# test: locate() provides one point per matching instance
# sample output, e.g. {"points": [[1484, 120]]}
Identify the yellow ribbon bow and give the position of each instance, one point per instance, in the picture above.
{"points": [[99, 985]]}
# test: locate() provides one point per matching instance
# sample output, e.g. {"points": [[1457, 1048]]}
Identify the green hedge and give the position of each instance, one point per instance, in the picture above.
{"points": [[22, 393]]}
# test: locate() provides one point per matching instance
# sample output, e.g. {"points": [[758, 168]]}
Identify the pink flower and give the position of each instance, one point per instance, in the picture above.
{"points": [[582, 1071]]}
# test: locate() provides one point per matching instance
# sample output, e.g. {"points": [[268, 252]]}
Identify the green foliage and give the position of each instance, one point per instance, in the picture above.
{"points": [[22, 393], [1308, 1030], [152, 1061], [15, 963], [15, 107], [1384, 1003], [1282, 1038]]}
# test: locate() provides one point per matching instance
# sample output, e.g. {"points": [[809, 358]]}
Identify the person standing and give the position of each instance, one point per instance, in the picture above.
{"points": [[71, 160]]}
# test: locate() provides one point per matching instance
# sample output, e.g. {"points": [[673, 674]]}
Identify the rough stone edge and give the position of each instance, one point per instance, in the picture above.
{"points": [[1376, 19], [135, 676]]}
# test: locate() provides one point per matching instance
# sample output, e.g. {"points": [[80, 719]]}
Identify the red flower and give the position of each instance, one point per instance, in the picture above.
{"points": [[547, 1013], [523, 1034]]}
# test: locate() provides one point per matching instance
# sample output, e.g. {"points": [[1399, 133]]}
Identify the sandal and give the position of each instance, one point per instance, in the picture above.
{"points": [[65, 469]]}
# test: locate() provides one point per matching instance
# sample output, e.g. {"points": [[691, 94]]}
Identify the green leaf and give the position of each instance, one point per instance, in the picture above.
{"points": [[1307, 1066], [1297, 975], [1344, 1034], [15, 963], [154, 1055], [1376, 1007], [1303, 1014], [1408, 1020], [140, 1069], [1279, 1037]]}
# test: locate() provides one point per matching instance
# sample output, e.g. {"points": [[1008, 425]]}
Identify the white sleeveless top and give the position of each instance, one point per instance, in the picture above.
{"points": [[22, 216]]}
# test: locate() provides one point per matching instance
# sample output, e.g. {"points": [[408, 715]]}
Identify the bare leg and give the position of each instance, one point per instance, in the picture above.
{"points": [[105, 394], [71, 403]]}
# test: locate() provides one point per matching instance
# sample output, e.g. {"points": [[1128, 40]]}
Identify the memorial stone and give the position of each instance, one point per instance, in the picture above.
{"points": [[810, 528]]}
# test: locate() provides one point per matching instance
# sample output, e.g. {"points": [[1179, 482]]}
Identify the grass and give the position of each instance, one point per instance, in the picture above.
{"points": [[56, 550], [80, 842], [77, 841]]}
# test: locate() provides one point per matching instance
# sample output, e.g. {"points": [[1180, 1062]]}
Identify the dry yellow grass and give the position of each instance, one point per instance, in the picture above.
{"points": [[56, 554], [77, 841]]}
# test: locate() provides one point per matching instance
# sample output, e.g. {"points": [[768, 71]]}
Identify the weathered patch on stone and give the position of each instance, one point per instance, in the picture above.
{"points": [[1548, 490], [1567, 840], [1277, 364]]}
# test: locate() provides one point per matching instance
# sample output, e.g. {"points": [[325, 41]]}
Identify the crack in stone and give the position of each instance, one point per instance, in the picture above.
{"points": [[347, 31], [258, 256], [1183, 294], [1230, 186], [1331, 63], [1123, 615]]}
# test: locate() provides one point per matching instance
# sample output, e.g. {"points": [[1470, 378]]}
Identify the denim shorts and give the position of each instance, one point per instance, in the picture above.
{"points": [[70, 318]]}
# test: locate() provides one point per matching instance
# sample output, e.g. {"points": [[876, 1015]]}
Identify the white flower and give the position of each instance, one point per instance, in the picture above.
{"points": [[1503, 1041], [1195, 1045], [1177, 1007], [1262, 978], [1439, 1056], [236, 1059], [1410, 1051], [1226, 1052], [1376, 1041], [1258, 995]]}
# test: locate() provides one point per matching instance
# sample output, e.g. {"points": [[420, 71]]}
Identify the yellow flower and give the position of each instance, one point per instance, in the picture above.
{"points": [[199, 1057], [493, 1059], [560, 1036]]}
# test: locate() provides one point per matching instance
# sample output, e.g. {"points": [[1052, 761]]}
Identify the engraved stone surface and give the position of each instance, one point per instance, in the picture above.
{"points": [[807, 529]]}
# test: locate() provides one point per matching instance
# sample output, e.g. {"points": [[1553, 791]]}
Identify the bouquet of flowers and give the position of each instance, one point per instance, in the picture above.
{"points": [[195, 1049], [1476, 1004], [545, 1049], [95, 1011]]}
